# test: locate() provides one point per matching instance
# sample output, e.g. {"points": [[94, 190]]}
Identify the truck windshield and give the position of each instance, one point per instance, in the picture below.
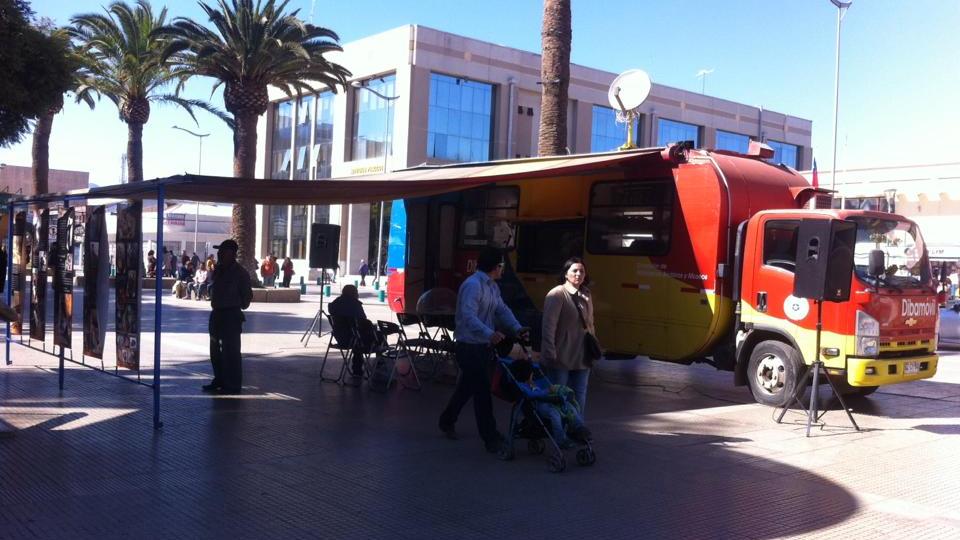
{"points": [[900, 241]]}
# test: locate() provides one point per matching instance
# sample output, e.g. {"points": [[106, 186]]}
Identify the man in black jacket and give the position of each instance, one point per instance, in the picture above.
{"points": [[230, 294], [348, 305]]}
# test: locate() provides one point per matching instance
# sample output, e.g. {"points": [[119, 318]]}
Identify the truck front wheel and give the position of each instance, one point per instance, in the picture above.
{"points": [[773, 372]]}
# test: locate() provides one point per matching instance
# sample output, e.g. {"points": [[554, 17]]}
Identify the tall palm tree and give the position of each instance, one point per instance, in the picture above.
{"points": [[249, 48], [128, 68], [556, 36], [44, 126]]}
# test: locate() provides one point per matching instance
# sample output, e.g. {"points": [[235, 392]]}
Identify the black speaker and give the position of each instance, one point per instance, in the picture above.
{"points": [[324, 245], [825, 259]]}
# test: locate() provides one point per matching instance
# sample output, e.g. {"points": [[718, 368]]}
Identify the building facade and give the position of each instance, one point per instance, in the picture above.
{"points": [[420, 95], [18, 180], [929, 194]]}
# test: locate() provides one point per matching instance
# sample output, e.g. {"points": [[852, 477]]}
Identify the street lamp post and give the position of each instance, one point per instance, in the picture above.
{"points": [[842, 8], [386, 153], [196, 214]]}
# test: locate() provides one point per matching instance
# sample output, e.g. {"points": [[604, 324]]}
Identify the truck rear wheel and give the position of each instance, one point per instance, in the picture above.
{"points": [[773, 372]]}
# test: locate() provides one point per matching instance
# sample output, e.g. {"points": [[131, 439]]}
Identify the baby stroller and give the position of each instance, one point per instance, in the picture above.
{"points": [[526, 422]]}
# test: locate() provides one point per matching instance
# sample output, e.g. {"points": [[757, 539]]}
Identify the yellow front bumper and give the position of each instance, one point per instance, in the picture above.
{"points": [[889, 371]]}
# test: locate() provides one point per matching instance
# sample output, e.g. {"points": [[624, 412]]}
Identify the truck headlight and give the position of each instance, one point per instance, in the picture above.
{"points": [[867, 335]]}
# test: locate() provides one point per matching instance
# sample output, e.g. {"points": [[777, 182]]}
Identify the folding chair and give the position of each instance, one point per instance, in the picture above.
{"points": [[396, 352], [423, 346], [347, 344], [441, 344]]}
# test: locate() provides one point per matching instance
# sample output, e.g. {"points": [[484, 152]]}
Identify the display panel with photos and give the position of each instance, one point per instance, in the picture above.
{"points": [[63, 281], [96, 269], [39, 259], [129, 254]]}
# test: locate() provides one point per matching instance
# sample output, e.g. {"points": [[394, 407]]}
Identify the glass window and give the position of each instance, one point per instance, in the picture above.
{"points": [[671, 131], [460, 123], [301, 149], [321, 213], [785, 153], [486, 217], [373, 118], [903, 250], [277, 230], [323, 136], [298, 231], [281, 152], [543, 247], [606, 134], [877, 204], [630, 217], [732, 141], [780, 244]]}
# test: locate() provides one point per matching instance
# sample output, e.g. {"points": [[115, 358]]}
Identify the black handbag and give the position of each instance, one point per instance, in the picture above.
{"points": [[591, 347]]}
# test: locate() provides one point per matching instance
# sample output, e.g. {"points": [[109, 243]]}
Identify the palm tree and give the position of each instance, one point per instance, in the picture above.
{"points": [[249, 48], [44, 126], [556, 36], [127, 67]]}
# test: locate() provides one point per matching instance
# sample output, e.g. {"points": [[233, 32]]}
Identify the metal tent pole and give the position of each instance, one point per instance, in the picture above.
{"points": [[157, 316], [9, 279]]}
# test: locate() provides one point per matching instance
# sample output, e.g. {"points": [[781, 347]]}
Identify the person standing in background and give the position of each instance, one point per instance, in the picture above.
{"points": [[287, 271], [230, 294]]}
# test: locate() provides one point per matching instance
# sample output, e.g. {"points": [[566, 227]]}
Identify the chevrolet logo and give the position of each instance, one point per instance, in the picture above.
{"points": [[910, 322]]}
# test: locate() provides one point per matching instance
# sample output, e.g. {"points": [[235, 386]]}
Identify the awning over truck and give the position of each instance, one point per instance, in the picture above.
{"points": [[415, 182]]}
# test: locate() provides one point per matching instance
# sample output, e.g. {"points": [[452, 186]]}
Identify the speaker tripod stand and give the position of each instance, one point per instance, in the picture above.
{"points": [[815, 370], [317, 322]]}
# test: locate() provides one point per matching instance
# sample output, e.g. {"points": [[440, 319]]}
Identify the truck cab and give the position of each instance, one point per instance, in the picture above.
{"points": [[885, 333]]}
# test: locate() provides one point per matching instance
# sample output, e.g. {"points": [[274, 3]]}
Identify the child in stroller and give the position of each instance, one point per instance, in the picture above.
{"points": [[541, 410]]}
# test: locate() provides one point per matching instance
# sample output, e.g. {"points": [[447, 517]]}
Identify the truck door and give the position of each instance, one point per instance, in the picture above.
{"points": [[768, 301]]}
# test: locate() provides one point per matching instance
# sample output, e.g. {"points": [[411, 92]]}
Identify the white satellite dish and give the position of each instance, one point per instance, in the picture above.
{"points": [[627, 93], [629, 90]]}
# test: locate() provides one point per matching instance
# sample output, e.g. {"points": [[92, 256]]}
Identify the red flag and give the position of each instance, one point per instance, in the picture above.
{"points": [[815, 180]]}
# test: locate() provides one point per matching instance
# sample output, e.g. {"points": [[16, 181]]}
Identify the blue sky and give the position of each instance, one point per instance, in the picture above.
{"points": [[900, 70]]}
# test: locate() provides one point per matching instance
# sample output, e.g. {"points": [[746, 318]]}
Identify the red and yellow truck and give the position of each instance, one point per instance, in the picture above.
{"points": [[691, 255]]}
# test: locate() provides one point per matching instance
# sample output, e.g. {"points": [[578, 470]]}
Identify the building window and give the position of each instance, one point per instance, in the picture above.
{"points": [[487, 213], [780, 244], [785, 153], [277, 230], [373, 118], [298, 231], [671, 131], [321, 213], [461, 119], [323, 136], [301, 149], [630, 218], [606, 134], [280, 151], [732, 141]]}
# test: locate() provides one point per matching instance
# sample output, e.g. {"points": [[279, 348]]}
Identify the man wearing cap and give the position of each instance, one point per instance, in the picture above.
{"points": [[230, 293]]}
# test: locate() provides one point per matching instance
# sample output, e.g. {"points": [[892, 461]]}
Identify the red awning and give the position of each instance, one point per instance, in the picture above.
{"points": [[408, 183]]}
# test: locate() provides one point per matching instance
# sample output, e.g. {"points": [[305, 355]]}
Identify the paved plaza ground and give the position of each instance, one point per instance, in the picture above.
{"points": [[681, 454]]}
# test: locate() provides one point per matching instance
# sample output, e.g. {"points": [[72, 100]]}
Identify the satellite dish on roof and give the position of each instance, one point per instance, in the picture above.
{"points": [[627, 93], [629, 90]]}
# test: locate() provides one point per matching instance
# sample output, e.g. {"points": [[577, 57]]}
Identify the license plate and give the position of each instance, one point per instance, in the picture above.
{"points": [[911, 368]]}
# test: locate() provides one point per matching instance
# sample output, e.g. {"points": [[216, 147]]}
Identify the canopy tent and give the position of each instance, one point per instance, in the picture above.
{"points": [[408, 183]]}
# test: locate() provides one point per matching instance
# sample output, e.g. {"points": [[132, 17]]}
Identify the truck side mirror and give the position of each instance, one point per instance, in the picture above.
{"points": [[878, 265]]}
